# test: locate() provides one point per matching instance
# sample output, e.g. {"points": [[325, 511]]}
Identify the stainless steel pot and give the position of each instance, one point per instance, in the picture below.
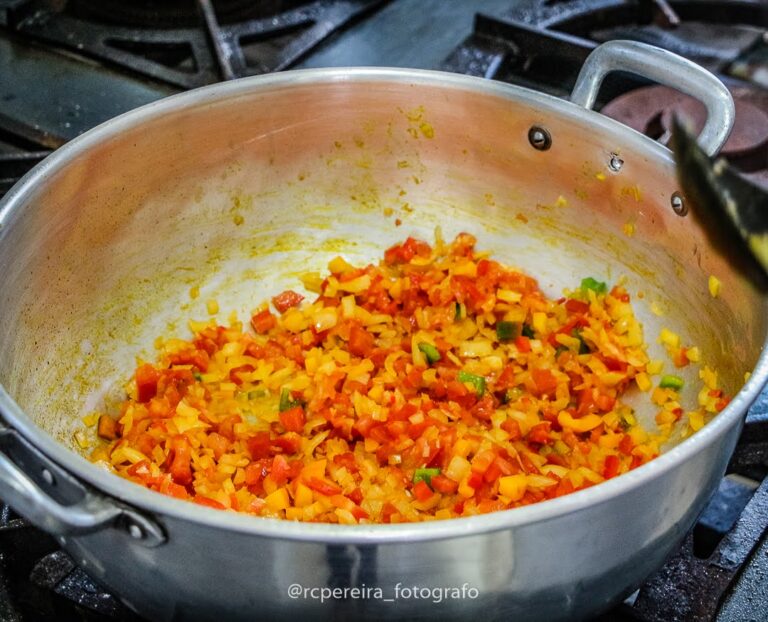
{"points": [[101, 243]]}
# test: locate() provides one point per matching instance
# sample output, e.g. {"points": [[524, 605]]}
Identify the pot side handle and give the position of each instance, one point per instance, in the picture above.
{"points": [[53, 500], [666, 68]]}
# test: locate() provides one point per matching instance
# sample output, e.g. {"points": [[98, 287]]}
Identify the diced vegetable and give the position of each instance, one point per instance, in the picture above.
{"points": [[107, 428], [286, 401], [425, 475], [506, 331], [478, 382], [430, 352], [434, 384], [671, 382], [599, 287]]}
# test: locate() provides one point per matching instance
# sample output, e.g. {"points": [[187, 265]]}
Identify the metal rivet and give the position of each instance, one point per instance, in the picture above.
{"points": [[135, 531], [615, 163], [678, 204], [48, 477], [539, 138]]}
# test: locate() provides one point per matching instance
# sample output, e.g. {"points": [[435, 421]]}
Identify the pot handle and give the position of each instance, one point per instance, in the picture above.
{"points": [[668, 69], [55, 501]]}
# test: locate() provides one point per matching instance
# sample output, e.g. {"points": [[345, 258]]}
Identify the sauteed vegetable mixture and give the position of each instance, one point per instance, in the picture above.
{"points": [[437, 384]]}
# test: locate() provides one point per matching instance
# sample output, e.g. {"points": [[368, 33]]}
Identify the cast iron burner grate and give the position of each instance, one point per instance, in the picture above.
{"points": [[544, 44], [39, 581], [186, 44]]}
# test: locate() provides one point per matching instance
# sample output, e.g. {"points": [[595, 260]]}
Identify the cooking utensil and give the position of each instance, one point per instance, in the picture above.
{"points": [[238, 188], [733, 210]]}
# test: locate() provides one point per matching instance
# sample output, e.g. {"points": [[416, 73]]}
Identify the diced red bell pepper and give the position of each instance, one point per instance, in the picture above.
{"points": [[208, 502], [360, 341], [263, 321], [443, 484], [322, 486], [422, 491], [146, 382], [576, 306], [293, 419], [611, 467], [290, 442], [523, 343], [258, 445], [539, 433], [280, 469], [181, 468], [545, 381], [286, 300]]}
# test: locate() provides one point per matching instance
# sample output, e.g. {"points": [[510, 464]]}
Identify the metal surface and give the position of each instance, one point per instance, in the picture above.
{"points": [[116, 202], [668, 69], [54, 501]]}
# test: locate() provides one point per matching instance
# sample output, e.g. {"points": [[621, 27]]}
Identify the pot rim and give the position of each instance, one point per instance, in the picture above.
{"points": [[161, 505]]}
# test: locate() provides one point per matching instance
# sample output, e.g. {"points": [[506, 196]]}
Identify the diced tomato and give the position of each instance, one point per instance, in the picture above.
{"points": [[146, 382], [208, 502], [293, 419], [286, 300], [443, 484], [263, 321], [422, 491], [324, 487], [360, 341], [181, 469], [523, 343], [611, 467]]}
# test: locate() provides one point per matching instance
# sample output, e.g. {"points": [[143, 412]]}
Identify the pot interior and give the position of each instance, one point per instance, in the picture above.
{"points": [[239, 189]]}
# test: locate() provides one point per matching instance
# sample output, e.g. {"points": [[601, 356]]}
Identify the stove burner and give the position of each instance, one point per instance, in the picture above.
{"points": [[175, 13], [650, 110], [207, 50]]}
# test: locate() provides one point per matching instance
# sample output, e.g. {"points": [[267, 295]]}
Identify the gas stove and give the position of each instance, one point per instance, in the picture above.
{"points": [[68, 65]]}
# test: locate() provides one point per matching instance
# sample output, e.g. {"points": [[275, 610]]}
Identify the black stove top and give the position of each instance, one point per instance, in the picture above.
{"points": [[67, 65]]}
